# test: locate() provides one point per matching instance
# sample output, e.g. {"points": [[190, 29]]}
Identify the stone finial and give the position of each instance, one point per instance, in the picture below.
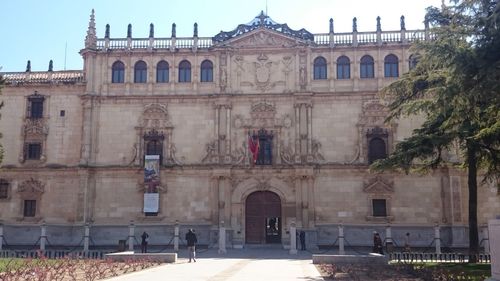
{"points": [[106, 34], [402, 22], [354, 24], [151, 30], [379, 28], [51, 65], [129, 30], [173, 29], [28, 66], [331, 25], [91, 38], [195, 32]]}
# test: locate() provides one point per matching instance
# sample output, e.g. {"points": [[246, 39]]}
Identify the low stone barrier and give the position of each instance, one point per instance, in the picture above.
{"points": [[348, 259], [159, 257]]}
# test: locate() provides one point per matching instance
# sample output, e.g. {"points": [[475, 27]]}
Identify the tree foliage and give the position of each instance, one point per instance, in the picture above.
{"points": [[455, 86]]}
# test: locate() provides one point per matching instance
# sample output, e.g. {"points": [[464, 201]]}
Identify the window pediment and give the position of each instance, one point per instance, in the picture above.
{"points": [[378, 186], [31, 186]]}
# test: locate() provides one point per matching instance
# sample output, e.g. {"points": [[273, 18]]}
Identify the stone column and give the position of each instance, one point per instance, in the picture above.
{"points": [[86, 237], [297, 133], [486, 239], [341, 240], [388, 239], [305, 202], [43, 236], [309, 128], [1, 236], [131, 230], [437, 238], [494, 234], [222, 238], [176, 236], [217, 124], [293, 239], [298, 199], [228, 132], [310, 197]]}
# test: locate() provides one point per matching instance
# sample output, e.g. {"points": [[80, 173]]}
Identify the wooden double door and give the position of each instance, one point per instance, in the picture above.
{"points": [[263, 218]]}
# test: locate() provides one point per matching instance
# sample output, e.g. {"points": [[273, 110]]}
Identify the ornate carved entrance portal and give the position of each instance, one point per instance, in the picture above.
{"points": [[263, 218]]}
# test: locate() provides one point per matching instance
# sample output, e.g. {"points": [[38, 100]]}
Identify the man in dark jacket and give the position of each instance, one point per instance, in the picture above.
{"points": [[191, 243]]}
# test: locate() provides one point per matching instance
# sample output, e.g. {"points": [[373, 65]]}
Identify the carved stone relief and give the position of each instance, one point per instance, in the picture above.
{"points": [[379, 186], [263, 73], [372, 118], [263, 39], [262, 115], [34, 130], [31, 187], [154, 118]]}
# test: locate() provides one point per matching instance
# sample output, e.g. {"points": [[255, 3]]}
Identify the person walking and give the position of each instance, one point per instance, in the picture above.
{"points": [[191, 244], [144, 242], [407, 242]]}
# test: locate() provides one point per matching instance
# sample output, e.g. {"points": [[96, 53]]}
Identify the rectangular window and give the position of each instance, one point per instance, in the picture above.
{"points": [[29, 208], [4, 189], [36, 108], [379, 207], [33, 151]]}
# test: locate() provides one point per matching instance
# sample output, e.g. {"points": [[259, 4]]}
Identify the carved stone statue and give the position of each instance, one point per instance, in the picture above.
{"points": [[286, 154], [211, 149], [315, 151]]}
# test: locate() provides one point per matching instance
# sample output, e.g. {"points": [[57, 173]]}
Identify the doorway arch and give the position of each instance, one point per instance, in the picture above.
{"points": [[263, 218]]}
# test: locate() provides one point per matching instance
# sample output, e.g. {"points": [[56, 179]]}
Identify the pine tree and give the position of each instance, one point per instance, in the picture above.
{"points": [[455, 87]]}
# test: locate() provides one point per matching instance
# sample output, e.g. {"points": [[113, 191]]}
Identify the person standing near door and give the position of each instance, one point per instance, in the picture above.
{"points": [[302, 238], [191, 244], [144, 242]]}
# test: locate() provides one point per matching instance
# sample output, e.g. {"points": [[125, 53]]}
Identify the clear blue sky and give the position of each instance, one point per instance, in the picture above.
{"points": [[39, 30]]}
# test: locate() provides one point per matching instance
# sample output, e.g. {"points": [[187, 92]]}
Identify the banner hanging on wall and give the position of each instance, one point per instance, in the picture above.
{"points": [[152, 169]]}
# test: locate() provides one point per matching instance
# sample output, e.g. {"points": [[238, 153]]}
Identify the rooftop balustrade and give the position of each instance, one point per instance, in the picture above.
{"points": [[320, 40]]}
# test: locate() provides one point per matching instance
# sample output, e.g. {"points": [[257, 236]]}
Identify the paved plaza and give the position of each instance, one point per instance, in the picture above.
{"points": [[245, 264]]}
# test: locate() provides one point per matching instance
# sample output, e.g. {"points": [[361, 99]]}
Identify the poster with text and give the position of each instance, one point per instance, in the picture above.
{"points": [[151, 202]]}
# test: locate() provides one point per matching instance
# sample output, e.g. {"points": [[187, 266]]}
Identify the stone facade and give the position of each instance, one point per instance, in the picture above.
{"points": [[262, 78]]}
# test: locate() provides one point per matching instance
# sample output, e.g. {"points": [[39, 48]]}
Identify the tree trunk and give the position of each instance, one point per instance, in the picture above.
{"points": [[472, 183]]}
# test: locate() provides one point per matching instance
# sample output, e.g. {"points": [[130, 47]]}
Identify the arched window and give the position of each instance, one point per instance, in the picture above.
{"points": [[118, 72], [343, 68], [162, 72], [391, 66], [184, 71], [412, 61], [207, 70], [153, 142], [376, 150], [140, 72], [319, 68], [367, 67]]}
